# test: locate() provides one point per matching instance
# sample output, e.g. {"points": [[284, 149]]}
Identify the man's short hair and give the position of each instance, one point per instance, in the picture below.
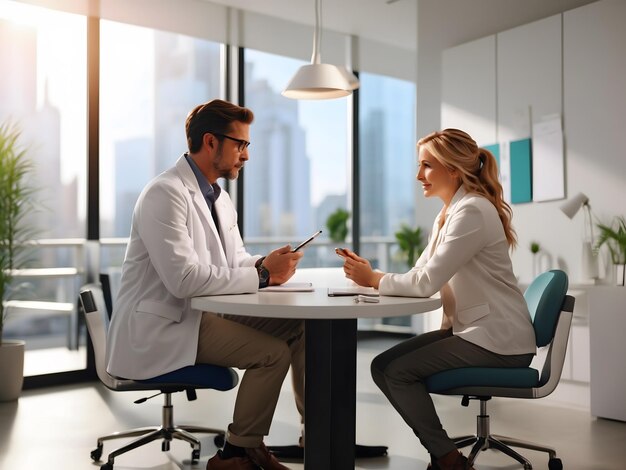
{"points": [[214, 116]]}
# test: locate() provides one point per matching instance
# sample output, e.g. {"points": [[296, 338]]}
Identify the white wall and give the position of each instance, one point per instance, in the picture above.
{"points": [[572, 64], [530, 86], [442, 24], [594, 67]]}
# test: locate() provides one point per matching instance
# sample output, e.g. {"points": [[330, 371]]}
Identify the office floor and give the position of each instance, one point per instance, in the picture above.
{"points": [[57, 428]]}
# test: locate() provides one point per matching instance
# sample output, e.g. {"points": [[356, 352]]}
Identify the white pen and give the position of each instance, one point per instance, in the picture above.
{"points": [[367, 298]]}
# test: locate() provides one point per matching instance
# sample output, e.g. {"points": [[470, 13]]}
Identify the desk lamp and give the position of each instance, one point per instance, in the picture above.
{"points": [[589, 260]]}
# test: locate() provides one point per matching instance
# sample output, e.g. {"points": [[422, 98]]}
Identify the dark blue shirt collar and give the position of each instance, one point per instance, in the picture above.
{"points": [[210, 191]]}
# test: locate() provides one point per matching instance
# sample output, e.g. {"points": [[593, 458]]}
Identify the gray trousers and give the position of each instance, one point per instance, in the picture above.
{"points": [[264, 348], [400, 372]]}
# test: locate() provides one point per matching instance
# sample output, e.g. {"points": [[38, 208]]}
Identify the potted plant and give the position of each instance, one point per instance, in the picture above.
{"points": [[15, 204], [613, 235], [535, 248], [411, 243], [337, 224]]}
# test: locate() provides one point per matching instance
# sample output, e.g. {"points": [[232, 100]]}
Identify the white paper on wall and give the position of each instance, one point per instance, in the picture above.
{"points": [[547, 159], [505, 171]]}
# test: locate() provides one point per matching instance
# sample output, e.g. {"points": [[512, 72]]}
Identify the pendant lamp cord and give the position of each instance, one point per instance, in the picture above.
{"points": [[317, 33]]}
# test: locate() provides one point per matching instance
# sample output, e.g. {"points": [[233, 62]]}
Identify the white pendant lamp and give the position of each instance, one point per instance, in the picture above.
{"points": [[318, 81], [353, 81]]}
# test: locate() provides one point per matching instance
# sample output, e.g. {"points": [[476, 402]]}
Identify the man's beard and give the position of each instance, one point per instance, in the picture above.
{"points": [[228, 173]]}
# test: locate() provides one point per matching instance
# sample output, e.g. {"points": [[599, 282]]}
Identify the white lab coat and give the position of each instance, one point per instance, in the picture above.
{"points": [[468, 262], [174, 253]]}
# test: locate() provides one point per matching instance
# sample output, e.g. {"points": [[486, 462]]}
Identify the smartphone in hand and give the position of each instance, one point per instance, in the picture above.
{"points": [[306, 242], [341, 252]]}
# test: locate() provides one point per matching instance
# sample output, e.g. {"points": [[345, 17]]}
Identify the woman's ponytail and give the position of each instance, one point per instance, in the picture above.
{"points": [[492, 190]]}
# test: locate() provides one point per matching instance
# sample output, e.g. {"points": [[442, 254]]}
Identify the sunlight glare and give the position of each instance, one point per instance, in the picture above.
{"points": [[25, 15]]}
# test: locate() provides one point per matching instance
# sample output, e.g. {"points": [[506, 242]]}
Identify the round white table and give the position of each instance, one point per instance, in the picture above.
{"points": [[331, 330]]}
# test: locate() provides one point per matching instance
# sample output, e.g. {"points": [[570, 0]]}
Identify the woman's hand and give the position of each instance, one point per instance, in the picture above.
{"points": [[359, 269]]}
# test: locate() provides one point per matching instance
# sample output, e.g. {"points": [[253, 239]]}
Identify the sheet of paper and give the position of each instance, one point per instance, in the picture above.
{"points": [[290, 287], [548, 160]]}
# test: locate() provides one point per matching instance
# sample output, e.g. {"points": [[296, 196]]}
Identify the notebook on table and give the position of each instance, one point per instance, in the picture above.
{"points": [[352, 290]]}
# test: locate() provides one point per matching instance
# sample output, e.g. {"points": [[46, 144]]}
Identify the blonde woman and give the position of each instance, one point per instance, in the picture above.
{"points": [[485, 318]]}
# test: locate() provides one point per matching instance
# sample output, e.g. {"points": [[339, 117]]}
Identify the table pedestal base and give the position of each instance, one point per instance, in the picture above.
{"points": [[295, 453], [330, 394]]}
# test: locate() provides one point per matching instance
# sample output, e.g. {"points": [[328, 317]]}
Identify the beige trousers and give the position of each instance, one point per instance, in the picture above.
{"points": [[264, 348]]}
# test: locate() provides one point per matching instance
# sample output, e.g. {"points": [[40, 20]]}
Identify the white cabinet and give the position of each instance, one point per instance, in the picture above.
{"points": [[579, 351], [607, 327], [577, 366]]}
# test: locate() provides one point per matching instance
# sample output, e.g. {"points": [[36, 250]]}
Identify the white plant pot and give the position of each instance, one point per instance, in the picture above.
{"points": [[620, 272], [589, 262], [11, 369]]}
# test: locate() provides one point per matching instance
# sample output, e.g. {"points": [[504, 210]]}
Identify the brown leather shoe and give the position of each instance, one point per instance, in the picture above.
{"points": [[453, 460], [264, 458], [234, 463]]}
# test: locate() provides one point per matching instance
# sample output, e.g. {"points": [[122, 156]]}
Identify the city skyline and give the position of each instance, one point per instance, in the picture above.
{"points": [[304, 143]]}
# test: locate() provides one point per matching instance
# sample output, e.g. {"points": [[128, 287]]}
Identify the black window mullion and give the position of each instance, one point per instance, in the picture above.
{"points": [[356, 175], [242, 100], [93, 128]]}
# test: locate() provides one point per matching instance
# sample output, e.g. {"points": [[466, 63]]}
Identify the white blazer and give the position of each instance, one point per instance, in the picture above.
{"points": [[174, 253], [468, 262]]}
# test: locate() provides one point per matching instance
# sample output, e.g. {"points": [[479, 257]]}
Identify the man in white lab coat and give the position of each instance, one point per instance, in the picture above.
{"points": [[185, 242]]}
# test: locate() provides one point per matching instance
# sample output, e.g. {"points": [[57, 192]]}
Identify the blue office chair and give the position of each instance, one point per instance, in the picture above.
{"points": [[188, 379], [551, 311]]}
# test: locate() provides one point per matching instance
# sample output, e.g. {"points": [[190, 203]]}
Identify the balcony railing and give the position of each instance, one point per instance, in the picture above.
{"points": [[48, 303], [43, 303]]}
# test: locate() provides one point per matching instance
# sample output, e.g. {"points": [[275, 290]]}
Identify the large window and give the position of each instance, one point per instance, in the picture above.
{"points": [[43, 92], [150, 80], [297, 174], [387, 162]]}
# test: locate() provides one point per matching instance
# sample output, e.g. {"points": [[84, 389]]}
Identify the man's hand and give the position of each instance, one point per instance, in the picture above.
{"points": [[282, 264]]}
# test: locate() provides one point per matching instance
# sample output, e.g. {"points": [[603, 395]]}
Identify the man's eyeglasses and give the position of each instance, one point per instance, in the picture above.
{"points": [[243, 144]]}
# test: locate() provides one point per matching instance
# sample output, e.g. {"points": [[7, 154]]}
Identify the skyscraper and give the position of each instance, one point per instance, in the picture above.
{"points": [[278, 175], [186, 74], [134, 167]]}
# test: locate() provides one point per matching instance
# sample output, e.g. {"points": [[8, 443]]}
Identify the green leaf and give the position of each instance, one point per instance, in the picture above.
{"points": [[410, 242], [613, 235], [16, 203], [337, 224]]}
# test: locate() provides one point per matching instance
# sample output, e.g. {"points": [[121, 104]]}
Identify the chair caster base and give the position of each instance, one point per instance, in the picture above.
{"points": [[219, 440], [555, 464], [96, 454]]}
